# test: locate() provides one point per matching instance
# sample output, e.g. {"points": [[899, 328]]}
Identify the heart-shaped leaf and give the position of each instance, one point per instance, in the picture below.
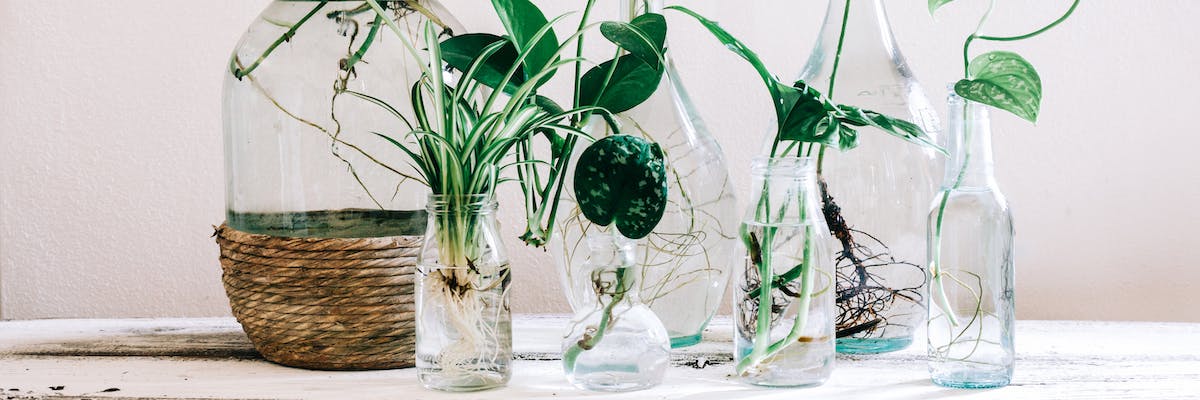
{"points": [[461, 51], [1004, 80], [632, 82], [813, 119], [622, 180], [644, 37], [934, 5], [522, 20]]}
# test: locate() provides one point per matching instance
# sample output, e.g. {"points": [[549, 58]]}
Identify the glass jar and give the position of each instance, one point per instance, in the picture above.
{"points": [[784, 309], [464, 324], [300, 157], [875, 196], [687, 260], [971, 315], [615, 343]]}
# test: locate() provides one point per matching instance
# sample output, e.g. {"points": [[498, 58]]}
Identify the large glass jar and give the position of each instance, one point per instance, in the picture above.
{"points": [[876, 195], [783, 309], [971, 236], [686, 261], [300, 106], [464, 322]]}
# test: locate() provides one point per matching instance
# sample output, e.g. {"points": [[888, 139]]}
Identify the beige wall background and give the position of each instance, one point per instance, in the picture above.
{"points": [[111, 170]]}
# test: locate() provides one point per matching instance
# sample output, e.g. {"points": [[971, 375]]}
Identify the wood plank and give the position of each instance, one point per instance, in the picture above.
{"points": [[210, 358]]}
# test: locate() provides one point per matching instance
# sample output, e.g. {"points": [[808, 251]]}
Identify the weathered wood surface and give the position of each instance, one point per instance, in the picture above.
{"points": [[211, 358]]}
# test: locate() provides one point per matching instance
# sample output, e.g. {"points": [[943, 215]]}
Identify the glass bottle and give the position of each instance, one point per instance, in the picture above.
{"points": [[971, 312], [784, 327], [876, 194], [300, 158], [615, 343], [464, 325], [688, 258]]}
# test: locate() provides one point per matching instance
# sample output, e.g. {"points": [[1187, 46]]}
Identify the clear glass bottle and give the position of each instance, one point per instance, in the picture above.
{"points": [[971, 311], [688, 258], [616, 343], [784, 327], [300, 158], [877, 193], [464, 324]]}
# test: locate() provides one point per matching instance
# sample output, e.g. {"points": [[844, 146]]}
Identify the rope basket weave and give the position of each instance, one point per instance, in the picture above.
{"points": [[323, 303]]}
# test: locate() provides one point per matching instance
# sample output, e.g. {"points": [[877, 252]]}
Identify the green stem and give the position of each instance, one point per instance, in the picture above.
{"points": [[935, 266], [837, 60], [587, 11], [362, 51], [571, 355], [239, 73]]}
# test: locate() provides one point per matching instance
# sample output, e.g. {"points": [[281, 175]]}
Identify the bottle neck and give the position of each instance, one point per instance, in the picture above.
{"points": [[970, 146], [860, 28], [612, 262], [786, 190]]}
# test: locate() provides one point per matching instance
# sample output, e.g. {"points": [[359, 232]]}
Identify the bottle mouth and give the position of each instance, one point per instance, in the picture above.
{"points": [[784, 167], [476, 203]]}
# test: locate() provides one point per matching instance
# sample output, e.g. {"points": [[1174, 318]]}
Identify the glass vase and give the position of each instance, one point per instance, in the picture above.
{"points": [[464, 324], [875, 196], [687, 260], [971, 237], [784, 309], [615, 343], [300, 158]]}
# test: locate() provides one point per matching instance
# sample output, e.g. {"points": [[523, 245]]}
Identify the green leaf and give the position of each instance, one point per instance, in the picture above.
{"points": [[1004, 80], [632, 82], [522, 20], [902, 129], [461, 51], [622, 180], [813, 119], [934, 5], [643, 37]]}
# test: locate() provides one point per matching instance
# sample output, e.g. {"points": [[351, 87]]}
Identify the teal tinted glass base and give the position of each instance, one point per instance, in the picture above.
{"points": [[872, 345], [972, 379], [685, 341]]}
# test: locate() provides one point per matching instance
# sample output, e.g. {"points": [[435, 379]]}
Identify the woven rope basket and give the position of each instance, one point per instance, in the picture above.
{"points": [[317, 303]]}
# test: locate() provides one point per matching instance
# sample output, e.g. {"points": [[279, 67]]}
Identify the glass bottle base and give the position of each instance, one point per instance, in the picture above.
{"points": [[465, 383], [872, 345], [685, 341], [614, 381], [972, 378]]}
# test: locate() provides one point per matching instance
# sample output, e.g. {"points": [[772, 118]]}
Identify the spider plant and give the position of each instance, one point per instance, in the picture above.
{"points": [[805, 119]]}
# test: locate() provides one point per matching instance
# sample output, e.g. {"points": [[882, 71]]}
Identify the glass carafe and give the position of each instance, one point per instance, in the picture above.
{"points": [[300, 158], [876, 195], [615, 343], [464, 323], [971, 311], [687, 260], [784, 302]]}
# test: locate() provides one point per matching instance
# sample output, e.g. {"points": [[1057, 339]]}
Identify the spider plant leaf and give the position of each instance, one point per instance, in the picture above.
{"points": [[522, 20], [632, 82], [622, 180], [1004, 80], [460, 52], [934, 5], [644, 37]]}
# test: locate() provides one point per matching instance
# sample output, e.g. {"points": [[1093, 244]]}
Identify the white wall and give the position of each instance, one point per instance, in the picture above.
{"points": [[111, 170]]}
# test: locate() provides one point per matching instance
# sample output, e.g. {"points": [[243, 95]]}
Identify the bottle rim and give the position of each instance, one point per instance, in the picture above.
{"points": [[794, 167]]}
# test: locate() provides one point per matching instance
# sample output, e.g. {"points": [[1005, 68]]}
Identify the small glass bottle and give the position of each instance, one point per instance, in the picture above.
{"points": [[877, 193], [971, 311], [464, 324], [784, 305], [616, 343]]}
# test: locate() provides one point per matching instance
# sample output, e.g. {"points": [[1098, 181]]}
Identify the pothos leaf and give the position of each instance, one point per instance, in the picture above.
{"points": [[460, 52], [934, 5], [522, 20], [811, 118], [622, 180], [644, 37], [632, 82], [902, 129], [1004, 80]]}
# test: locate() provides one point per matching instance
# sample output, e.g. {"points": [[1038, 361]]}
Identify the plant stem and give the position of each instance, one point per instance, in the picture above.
{"points": [[239, 72], [837, 60], [935, 266], [571, 355]]}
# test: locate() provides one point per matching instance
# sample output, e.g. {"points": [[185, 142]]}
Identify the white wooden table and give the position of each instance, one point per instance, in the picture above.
{"points": [[211, 358]]}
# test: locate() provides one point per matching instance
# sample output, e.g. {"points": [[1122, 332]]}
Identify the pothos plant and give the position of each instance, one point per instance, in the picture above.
{"points": [[1001, 79], [619, 181], [806, 121]]}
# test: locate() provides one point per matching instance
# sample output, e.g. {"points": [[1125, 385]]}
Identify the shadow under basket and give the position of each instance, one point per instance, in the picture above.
{"points": [[323, 303]]}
